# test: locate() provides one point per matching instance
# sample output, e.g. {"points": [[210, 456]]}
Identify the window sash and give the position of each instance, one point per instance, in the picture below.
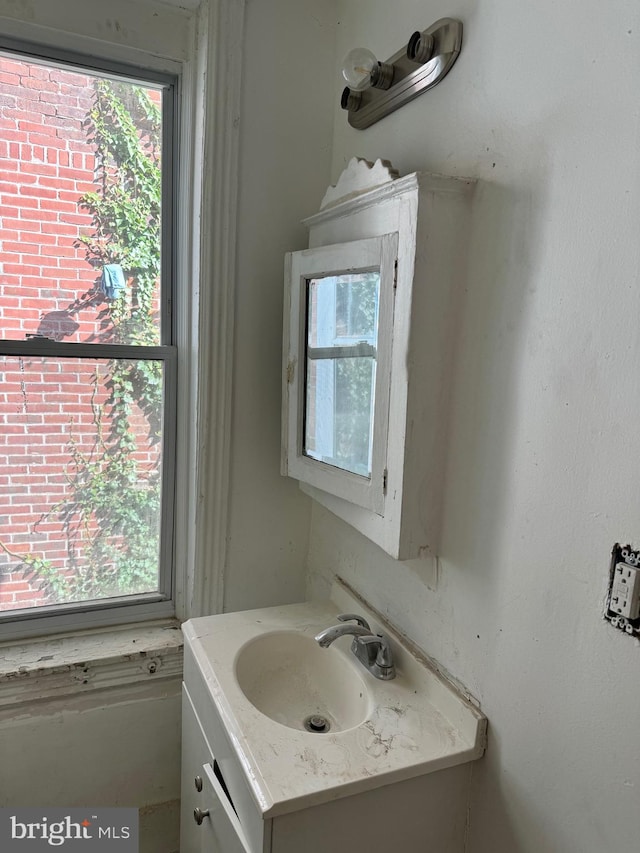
{"points": [[138, 75], [359, 350], [165, 592]]}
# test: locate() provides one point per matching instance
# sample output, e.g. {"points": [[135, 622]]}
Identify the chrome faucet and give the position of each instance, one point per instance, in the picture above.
{"points": [[372, 650]]}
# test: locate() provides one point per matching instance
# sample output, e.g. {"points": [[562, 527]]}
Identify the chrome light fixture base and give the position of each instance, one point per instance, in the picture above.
{"points": [[435, 49]]}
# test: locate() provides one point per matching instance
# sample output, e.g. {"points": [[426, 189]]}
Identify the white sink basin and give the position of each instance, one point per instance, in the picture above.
{"points": [[289, 678], [259, 674]]}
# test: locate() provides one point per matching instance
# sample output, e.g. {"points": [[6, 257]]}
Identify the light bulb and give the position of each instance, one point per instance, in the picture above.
{"points": [[357, 67]]}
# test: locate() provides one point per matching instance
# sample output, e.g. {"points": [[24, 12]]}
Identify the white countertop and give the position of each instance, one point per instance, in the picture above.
{"points": [[418, 722]]}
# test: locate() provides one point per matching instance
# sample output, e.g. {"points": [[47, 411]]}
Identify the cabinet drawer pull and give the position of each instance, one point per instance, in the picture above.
{"points": [[199, 815], [198, 783]]}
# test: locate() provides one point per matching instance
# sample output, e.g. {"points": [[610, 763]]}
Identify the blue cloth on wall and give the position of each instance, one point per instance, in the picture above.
{"points": [[113, 282]]}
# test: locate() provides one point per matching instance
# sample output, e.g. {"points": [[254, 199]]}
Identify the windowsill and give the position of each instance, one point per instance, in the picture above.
{"points": [[48, 668]]}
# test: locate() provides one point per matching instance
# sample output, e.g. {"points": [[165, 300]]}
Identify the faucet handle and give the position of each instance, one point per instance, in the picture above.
{"points": [[353, 617], [384, 656]]}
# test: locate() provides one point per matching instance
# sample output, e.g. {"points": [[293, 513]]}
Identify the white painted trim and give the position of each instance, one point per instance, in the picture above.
{"points": [[222, 32], [140, 37], [56, 667], [392, 189], [187, 197]]}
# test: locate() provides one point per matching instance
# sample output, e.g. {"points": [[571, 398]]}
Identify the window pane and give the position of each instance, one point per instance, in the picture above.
{"points": [[342, 331], [80, 479], [80, 193], [339, 413]]}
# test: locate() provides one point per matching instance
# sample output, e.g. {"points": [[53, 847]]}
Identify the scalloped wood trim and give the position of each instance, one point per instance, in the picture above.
{"points": [[359, 177]]}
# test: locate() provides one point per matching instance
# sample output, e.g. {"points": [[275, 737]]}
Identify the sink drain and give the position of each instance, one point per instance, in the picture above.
{"points": [[316, 723]]}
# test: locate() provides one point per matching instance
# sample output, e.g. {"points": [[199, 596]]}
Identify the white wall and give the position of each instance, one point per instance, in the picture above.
{"points": [[543, 108], [284, 166], [116, 748]]}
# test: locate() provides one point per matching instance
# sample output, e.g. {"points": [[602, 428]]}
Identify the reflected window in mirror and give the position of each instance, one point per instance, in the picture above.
{"points": [[341, 353]]}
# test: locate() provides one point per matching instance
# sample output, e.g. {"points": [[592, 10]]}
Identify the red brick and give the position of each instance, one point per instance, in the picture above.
{"points": [[58, 183], [22, 224], [44, 139], [72, 78], [60, 207], [7, 78], [14, 587], [39, 85], [35, 237], [37, 190], [21, 201], [29, 127], [79, 218], [77, 173], [18, 268], [40, 72], [39, 215], [12, 65], [27, 596], [38, 169]]}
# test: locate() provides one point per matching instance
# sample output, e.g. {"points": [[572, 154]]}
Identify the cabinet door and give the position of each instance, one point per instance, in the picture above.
{"points": [[195, 752], [220, 830]]}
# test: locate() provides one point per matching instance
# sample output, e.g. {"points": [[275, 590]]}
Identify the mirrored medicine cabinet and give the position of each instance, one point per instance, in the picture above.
{"points": [[368, 311]]}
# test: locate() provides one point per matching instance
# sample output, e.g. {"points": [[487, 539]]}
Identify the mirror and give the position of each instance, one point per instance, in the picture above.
{"points": [[340, 362], [339, 318]]}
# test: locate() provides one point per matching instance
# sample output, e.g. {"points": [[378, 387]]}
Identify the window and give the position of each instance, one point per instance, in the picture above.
{"points": [[87, 355]]}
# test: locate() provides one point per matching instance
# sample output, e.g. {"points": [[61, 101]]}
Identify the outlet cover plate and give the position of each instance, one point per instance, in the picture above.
{"points": [[622, 607]]}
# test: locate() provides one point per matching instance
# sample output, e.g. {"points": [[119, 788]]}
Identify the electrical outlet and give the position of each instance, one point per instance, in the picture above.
{"points": [[625, 591], [622, 608]]}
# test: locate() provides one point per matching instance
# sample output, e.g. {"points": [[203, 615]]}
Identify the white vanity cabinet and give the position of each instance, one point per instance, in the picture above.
{"points": [[398, 780], [423, 815]]}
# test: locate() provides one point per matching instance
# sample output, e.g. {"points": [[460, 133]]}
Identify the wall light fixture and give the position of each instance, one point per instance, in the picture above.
{"points": [[376, 89]]}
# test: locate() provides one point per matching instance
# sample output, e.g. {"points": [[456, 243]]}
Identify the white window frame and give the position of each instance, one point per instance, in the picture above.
{"points": [[376, 253], [205, 202], [159, 603]]}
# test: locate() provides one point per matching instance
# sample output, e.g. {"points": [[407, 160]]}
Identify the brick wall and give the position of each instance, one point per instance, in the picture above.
{"points": [[47, 287], [46, 165]]}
